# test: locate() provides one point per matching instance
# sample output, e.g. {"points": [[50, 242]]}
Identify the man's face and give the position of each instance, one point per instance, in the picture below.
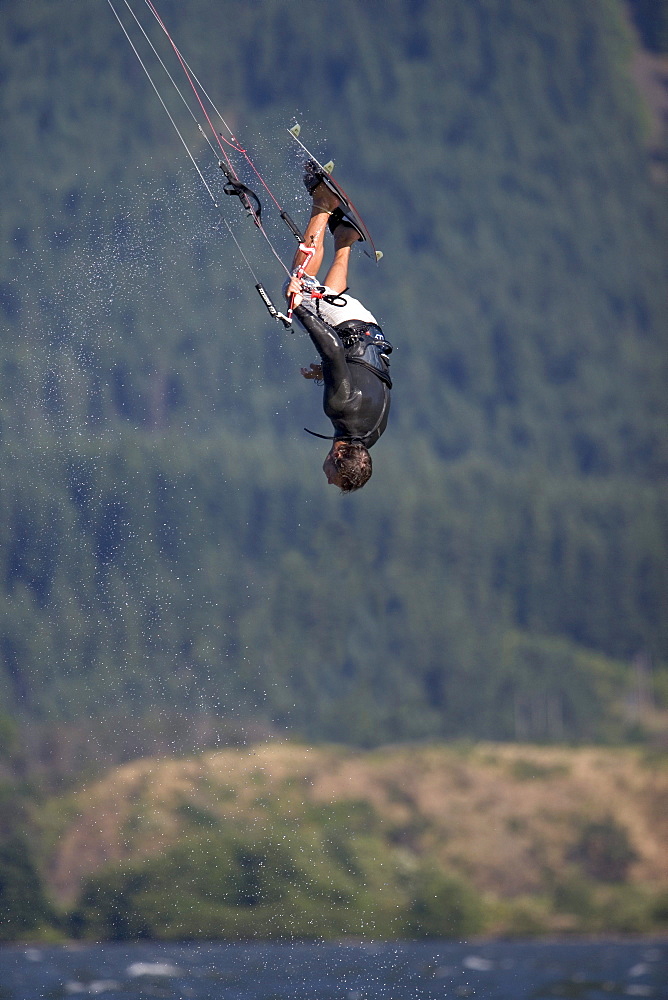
{"points": [[332, 473]]}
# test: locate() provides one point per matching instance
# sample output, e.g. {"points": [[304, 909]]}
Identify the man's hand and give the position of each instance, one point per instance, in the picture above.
{"points": [[314, 372], [293, 292]]}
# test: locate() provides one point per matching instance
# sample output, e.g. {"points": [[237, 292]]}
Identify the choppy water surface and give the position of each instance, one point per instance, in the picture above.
{"points": [[588, 970]]}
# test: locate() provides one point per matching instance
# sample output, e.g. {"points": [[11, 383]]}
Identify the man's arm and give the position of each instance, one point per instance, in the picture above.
{"points": [[328, 345]]}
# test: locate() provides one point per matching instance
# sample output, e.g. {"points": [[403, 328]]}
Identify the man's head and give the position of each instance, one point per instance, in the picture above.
{"points": [[348, 465]]}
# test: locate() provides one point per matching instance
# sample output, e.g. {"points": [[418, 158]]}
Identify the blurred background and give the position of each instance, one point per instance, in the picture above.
{"points": [[176, 577]]}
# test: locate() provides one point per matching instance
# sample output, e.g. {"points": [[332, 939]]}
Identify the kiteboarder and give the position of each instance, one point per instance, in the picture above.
{"points": [[352, 347]]}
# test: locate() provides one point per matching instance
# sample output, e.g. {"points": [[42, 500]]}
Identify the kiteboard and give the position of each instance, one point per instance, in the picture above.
{"points": [[347, 211]]}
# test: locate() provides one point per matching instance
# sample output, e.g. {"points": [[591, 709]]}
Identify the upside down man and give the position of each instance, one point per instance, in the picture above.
{"points": [[353, 350]]}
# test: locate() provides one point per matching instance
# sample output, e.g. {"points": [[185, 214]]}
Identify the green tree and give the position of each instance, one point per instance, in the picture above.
{"points": [[23, 904]]}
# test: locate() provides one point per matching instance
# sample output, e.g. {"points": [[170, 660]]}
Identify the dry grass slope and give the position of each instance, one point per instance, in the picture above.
{"points": [[505, 816]]}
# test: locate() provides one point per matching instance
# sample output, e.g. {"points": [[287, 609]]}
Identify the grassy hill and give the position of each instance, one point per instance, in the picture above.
{"points": [[285, 839]]}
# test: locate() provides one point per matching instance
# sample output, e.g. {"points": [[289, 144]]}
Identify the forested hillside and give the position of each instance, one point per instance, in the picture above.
{"points": [[174, 569]]}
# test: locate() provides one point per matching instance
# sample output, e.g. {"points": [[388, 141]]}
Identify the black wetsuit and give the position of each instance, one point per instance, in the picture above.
{"points": [[355, 373]]}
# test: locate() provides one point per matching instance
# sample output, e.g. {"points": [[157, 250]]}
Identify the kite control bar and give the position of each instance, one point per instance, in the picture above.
{"points": [[293, 227], [271, 308], [298, 273], [253, 206]]}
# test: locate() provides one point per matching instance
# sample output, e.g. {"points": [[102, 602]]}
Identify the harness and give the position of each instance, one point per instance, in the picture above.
{"points": [[368, 340], [356, 334]]}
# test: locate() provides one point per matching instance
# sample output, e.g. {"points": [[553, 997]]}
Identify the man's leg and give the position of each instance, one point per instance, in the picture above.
{"points": [[337, 276], [324, 203]]}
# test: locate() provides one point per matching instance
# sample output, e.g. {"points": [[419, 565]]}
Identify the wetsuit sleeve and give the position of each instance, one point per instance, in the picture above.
{"points": [[327, 343]]}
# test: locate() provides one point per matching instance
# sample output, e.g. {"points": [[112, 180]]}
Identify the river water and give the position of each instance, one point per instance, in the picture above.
{"points": [[490, 970]]}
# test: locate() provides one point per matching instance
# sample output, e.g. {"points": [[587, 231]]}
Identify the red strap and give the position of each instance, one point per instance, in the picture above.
{"points": [[299, 272]]}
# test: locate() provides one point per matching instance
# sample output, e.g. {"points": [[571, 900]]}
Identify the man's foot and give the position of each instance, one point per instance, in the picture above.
{"points": [[345, 236], [323, 196], [325, 199], [345, 233], [328, 197], [312, 176]]}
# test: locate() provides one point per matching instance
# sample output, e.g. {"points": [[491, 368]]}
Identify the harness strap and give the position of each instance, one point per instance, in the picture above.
{"points": [[383, 376], [331, 299], [333, 437], [325, 437]]}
